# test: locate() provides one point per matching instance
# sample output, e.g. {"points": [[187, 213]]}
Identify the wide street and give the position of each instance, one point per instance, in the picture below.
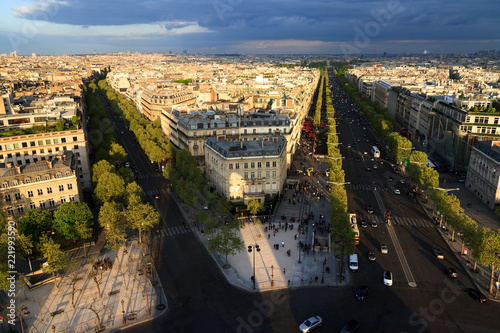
{"points": [[422, 299]]}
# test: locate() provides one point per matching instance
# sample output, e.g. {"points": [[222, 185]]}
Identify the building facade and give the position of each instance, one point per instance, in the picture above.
{"points": [[483, 174], [246, 170], [32, 148], [40, 185]]}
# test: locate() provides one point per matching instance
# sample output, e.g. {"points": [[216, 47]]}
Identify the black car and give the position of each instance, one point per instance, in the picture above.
{"points": [[476, 295], [362, 293], [451, 272], [369, 209], [351, 327]]}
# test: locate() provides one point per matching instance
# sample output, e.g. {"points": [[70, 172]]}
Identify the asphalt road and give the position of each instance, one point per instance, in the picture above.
{"points": [[201, 300]]}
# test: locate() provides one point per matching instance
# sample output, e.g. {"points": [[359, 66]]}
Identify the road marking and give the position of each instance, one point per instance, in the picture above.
{"points": [[397, 247]]}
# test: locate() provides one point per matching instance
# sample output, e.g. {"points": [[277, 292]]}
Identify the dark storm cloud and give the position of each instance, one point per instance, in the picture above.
{"points": [[233, 21]]}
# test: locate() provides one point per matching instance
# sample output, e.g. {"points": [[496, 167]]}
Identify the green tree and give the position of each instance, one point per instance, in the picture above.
{"points": [[70, 215], [117, 154], [134, 194], [56, 258], [115, 237], [486, 249], [35, 223], [101, 168], [255, 207], [225, 241], [142, 217], [110, 187], [110, 214]]}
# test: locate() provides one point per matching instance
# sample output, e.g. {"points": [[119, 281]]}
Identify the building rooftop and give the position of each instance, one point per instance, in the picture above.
{"points": [[490, 148], [59, 161], [267, 146]]}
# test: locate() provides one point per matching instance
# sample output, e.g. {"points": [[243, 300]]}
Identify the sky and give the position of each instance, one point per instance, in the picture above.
{"points": [[54, 27]]}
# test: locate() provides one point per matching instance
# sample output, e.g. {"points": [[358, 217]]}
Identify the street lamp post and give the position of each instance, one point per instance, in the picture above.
{"points": [[272, 275], [300, 250], [250, 249], [124, 321], [323, 276]]}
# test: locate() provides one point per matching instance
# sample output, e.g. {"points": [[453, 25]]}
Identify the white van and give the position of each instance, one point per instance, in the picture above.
{"points": [[353, 262]]}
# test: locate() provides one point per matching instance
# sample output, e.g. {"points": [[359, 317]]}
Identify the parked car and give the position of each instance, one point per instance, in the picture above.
{"points": [[387, 278], [310, 324], [451, 272], [352, 326], [362, 293], [396, 191], [383, 248], [374, 224], [369, 209], [438, 253], [476, 295], [371, 256], [364, 224]]}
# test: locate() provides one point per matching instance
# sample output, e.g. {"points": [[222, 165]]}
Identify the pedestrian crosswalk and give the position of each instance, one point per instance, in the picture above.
{"points": [[398, 220], [366, 187], [177, 230], [152, 192], [149, 175]]}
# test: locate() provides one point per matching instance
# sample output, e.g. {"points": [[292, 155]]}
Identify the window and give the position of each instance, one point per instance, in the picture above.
{"points": [[70, 186], [17, 196], [30, 194], [75, 147], [42, 204], [268, 164], [61, 188], [237, 165], [230, 166], [40, 191], [56, 141], [268, 174], [51, 203], [259, 165], [495, 120], [75, 139], [10, 211], [245, 166], [72, 198], [68, 173], [274, 164], [59, 175], [14, 182], [47, 141], [63, 199], [37, 178], [32, 205], [49, 190], [252, 165], [8, 198], [25, 144], [252, 175], [259, 174], [20, 209], [246, 175], [63, 140], [274, 174], [40, 142], [47, 177], [5, 185]]}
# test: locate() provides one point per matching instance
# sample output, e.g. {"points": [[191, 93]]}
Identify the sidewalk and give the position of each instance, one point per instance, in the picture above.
{"points": [[274, 269], [131, 287], [479, 212]]}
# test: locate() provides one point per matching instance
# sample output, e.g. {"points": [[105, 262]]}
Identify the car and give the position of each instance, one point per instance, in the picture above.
{"points": [[375, 166], [380, 162], [388, 278], [349, 145], [476, 295], [383, 248], [403, 181], [358, 140], [365, 153], [374, 224], [157, 196], [364, 224], [390, 179], [362, 293], [127, 164], [396, 191], [451, 272], [205, 207], [369, 209], [371, 255], [310, 324], [438, 253], [368, 169], [396, 171]]}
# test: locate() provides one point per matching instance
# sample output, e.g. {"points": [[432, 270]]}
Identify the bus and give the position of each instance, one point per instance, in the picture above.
{"points": [[375, 152], [354, 225]]}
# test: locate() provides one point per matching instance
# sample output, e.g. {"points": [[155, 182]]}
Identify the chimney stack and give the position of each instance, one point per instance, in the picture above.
{"points": [[9, 165], [49, 163], [18, 169]]}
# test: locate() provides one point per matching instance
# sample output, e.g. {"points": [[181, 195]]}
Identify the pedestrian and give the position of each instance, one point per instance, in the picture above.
{"points": [[274, 233], [295, 236], [284, 271], [268, 236], [283, 244], [288, 281]]}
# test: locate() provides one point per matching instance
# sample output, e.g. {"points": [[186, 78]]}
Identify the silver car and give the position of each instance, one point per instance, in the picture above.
{"points": [[310, 324]]}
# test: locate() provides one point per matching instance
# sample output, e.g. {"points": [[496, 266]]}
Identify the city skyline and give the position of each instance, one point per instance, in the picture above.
{"points": [[54, 27]]}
